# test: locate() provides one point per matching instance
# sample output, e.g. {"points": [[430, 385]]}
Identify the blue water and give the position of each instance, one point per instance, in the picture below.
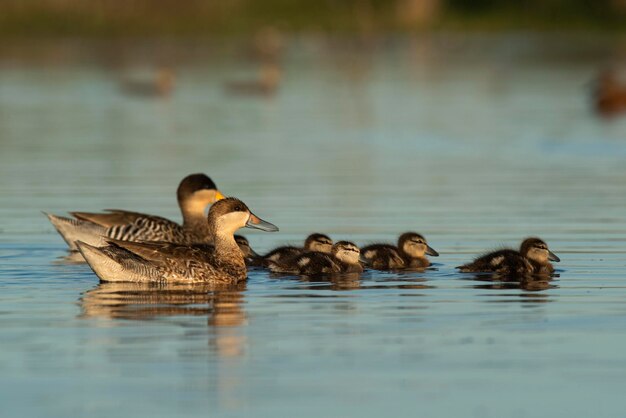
{"points": [[475, 141]]}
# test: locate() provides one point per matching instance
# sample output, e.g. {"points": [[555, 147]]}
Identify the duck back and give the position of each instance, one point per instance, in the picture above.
{"points": [[383, 257], [505, 262]]}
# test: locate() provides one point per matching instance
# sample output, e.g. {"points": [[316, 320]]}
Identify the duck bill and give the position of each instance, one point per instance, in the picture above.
{"points": [[258, 223], [431, 251], [219, 195], [553, 257]]}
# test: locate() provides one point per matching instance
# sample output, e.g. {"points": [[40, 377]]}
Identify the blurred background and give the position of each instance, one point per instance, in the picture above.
{"points": [[334, 99], [202, 17]]}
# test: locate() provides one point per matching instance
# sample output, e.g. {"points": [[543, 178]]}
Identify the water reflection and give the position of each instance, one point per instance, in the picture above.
{"points": [[528, 284], [355, 281], [222, 304], [72, 257], [347, 281]]}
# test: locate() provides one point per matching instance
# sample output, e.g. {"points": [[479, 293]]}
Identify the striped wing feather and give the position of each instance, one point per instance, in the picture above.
{"points": [[151, 228], [112, 218]]}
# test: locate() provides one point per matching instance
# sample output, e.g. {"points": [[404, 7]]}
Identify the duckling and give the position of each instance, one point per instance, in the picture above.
{"points": [[410, 253], [265, 84], [249, 254], [348, 256], [123, 261], [162, 85], [314, 242], [344, 258], [194, 193], [609, 94], [533, 258]]}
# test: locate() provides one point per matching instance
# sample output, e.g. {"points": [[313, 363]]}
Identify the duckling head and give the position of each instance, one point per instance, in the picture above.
{"points": [[244, 246], [229, 214], [537, 250], [415, 245], [318, 242], [165, 80], [196, 191], [347, 252]]}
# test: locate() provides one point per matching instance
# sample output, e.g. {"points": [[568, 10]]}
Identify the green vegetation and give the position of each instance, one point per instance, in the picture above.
{"points": [[201, 17]]}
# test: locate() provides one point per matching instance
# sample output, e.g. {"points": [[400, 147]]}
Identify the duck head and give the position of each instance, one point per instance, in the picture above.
{"points": [[244, 246], [347, 252], [229, 214], [318, 242], [415, 245], [537, 250], [197, 191]]}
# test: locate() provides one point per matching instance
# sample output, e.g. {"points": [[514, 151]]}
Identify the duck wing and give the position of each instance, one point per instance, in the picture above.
{"points": [[148, 228], [166, 253], [111, 218]]}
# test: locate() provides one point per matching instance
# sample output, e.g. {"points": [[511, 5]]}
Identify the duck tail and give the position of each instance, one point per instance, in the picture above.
{"points": [[116, 264], [73, 230]]}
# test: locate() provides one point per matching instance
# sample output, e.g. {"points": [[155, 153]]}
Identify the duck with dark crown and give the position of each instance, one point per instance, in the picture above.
{"points": [[194, 193], [344, 258], [532, 259], [410, 253], [223, 262]]}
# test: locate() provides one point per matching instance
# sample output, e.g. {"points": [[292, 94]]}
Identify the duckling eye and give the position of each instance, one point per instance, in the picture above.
{"points": [[238, 208]]}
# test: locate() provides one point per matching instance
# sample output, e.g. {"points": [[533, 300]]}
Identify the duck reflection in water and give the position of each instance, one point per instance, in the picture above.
{"points": [[222, 304], [337, 281], [355, 281], [526, 283]]}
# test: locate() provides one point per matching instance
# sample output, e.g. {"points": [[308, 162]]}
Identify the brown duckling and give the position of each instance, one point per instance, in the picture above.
{"points": [[160, 85], [532, 259], [249, 254], [314, 242], [265, 84], [124, 261], [609, 94], [410, 253], [344, 258]]}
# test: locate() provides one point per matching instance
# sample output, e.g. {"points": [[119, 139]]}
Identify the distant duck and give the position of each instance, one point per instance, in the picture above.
{"points": [[268, 45], [162, 85], [194, 193], [344, 258], [314, 242], [532, 259], [124, 261], [609, 94], [265, 84], [408, 254], [249, 255]]}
